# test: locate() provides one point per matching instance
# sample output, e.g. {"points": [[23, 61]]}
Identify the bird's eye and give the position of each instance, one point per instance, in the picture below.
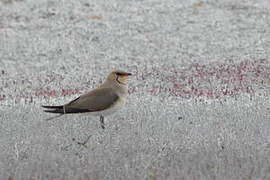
{"points": [[119, 74]]}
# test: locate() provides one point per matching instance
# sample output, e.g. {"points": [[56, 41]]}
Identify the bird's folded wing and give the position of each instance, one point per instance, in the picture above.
{"points": [[96, 100]]}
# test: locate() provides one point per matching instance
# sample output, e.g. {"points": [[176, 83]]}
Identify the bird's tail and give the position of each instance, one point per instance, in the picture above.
{"points": [[63, 110], [54, 109]]}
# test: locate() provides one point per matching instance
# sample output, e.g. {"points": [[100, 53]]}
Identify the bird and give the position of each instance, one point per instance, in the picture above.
{"points": [[104, 100]]}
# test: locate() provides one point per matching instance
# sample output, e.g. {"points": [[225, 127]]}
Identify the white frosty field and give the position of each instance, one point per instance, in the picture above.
{"points": [[198, 104]]}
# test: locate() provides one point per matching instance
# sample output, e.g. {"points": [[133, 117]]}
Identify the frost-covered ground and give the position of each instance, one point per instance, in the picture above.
{"points": [[198, 104]]}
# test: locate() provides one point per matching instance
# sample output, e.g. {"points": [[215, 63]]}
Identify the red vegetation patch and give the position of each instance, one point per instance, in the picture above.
{"points": [[45, 92], [66, 92], [55, 93], [213, 80]]}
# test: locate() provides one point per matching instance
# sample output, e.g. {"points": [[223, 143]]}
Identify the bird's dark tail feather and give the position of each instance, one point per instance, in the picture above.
{"points": [[62, 110], [57, 111], [53, 107]]}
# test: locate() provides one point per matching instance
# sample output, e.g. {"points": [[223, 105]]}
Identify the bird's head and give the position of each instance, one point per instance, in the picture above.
{"points": [[119, 76]]}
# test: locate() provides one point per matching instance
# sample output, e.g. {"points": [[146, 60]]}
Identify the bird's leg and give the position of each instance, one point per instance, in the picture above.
{"points": [[102, 122]]}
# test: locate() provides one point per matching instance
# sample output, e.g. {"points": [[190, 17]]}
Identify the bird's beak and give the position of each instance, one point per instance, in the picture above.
{"points": [[127, 74]]}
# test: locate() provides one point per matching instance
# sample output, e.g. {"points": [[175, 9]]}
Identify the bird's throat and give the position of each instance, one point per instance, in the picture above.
{"points": [[119, 81]]}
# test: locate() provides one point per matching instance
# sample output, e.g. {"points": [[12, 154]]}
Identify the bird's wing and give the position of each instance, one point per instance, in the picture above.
{"points": [[96, 100]]}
